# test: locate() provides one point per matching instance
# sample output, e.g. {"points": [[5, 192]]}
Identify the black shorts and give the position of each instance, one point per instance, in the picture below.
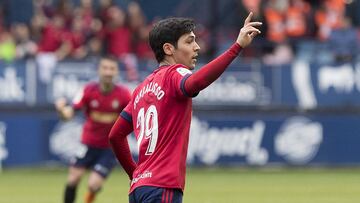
{"points": [[100, 160], [150, 194]]}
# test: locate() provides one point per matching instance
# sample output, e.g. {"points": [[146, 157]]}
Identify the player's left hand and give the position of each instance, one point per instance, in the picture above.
{"points": [[248, 31], [60, 103]]}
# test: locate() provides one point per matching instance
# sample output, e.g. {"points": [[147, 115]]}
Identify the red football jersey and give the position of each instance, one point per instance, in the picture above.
{"points": [[160, 112], [101, 111]]}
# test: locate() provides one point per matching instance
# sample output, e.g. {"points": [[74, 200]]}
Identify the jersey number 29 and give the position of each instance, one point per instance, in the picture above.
{"points": [[148, 123]]}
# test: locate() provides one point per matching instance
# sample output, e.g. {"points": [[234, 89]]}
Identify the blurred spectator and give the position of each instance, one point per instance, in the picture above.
{"points": [[257, 7], [52, 36], [1, 18], [51, 47], [117, 33], [94, 48], [140, 31], [343, 42], [275, 12], [94, 41], [7, 47], [103, 12], [25, 46], [278, 51], [353, 11], [118, 41], [287, 22], [75, 39], [85, 12], [329, 16], [299, 25], [287, 19], [62, 31], [44, 8], [36, 26], [64, 8], [296, 18]]}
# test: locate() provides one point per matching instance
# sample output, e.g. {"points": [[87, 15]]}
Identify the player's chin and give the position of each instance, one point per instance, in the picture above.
{"points": [[107, 80], [192, 65]]}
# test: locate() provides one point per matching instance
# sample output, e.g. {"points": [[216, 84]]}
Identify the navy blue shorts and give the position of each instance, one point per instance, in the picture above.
{"points": [[150, 194], [100, 160]]}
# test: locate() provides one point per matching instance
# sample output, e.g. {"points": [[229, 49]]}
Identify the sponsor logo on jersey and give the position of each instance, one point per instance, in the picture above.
{"points": [[94, 103], [183, 71], [103, 117], [115, 104], [146, 174]]}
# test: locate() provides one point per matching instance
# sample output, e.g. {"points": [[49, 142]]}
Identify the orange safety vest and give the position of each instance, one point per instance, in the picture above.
{"points": [[295, 22], [330, 18], [276, 25]]}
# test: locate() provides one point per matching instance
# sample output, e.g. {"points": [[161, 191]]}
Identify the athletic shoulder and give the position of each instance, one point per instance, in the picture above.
{"points": [[179, 68], [91, 86]]}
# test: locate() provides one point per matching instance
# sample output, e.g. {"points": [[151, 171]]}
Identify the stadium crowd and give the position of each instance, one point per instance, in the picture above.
{"points": [[292, 28]]}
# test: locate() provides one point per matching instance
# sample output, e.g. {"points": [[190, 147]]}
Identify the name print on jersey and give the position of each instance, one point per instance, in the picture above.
{"points": [[155, 88]]}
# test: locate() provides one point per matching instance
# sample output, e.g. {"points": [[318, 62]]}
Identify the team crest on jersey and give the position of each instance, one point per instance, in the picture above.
{"points": [[94, 103], [183, 71], [115, 104]]}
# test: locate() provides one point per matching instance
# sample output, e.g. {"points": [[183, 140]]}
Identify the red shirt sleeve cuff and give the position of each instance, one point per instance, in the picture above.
{"points": [[236, 48]]}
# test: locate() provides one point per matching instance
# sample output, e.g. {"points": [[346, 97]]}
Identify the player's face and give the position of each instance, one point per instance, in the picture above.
{"points": [[108, 70], [187, 50]]}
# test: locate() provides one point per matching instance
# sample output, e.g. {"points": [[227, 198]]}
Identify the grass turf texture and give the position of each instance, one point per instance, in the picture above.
{"points": [[42, 185]]}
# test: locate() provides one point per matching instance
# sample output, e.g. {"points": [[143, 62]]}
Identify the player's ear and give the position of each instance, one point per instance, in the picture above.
{"points": [[168, 49]]}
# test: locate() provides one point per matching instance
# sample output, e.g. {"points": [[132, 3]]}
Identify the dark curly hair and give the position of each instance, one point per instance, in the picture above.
{"points": [[168, 31]]}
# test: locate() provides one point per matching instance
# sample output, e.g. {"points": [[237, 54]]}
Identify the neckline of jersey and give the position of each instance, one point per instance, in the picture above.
{"points": [[161, 67], [164, 65]]}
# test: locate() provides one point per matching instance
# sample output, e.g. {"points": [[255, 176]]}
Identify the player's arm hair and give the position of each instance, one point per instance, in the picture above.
{"points": [[120, 146], [211, 71]]}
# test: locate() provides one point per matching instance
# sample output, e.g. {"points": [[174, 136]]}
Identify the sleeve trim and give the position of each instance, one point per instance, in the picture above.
{"points": [[182, 86], [126, 116]]}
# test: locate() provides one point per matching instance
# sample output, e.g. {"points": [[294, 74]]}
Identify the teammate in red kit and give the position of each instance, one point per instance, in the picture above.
{"points": [[102, 102], [160, 110]]}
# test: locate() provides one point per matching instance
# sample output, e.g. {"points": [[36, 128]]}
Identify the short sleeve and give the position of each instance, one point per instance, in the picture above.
{"points": [[80, 99], [177, 76]]}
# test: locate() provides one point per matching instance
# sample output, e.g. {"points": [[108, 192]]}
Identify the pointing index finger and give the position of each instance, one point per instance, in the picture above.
{"points": [[248, 19]]}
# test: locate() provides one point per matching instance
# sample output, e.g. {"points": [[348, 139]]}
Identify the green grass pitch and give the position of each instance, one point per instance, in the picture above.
{"points": [[232, 185]]}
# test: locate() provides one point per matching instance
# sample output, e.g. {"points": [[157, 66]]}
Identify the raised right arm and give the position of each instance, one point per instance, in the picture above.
{"points": [[211, 71]]}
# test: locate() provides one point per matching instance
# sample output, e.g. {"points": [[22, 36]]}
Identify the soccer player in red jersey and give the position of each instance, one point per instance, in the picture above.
{"points": [[160, 110], [101, 102]]}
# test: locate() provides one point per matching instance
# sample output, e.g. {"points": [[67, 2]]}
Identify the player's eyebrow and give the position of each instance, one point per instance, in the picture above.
{"points": [[191, 37]]}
